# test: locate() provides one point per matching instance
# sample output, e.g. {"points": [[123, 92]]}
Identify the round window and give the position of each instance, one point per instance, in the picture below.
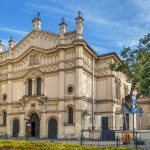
{"points": [[70, 89]]}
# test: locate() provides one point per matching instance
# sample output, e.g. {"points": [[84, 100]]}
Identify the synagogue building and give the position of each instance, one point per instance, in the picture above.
{"points": [[56, 85]]}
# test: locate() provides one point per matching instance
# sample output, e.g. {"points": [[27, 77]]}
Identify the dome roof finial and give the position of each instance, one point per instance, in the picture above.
{"points": [[63, 21], [79, 13], [79, 16]]}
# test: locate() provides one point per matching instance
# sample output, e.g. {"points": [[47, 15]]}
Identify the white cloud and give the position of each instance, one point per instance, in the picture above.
{"points": [[101, 50], [49, 8], [12, 30], [112, 27]]}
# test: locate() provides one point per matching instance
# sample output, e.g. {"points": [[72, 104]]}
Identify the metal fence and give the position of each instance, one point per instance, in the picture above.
{"points": [[118, 142]]}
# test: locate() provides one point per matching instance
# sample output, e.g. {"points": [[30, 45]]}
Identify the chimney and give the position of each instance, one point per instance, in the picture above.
{"points": [[11, 43], [79, 26], [62, 26], [1, 47], [37, 22]]}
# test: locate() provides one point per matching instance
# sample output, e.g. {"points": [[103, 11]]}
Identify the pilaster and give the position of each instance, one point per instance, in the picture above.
{"points": [[61, 75], [33, 87], [22, 129], [79, 71], [9, 92], [78, 127], [42, 86], [43, 126]]}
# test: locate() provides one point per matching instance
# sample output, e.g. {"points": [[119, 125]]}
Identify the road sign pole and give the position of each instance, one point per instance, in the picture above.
{"points": [[133, 130]]}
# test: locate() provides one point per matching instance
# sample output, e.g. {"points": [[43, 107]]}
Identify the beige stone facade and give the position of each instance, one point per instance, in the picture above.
{"points": [[62, 81]]}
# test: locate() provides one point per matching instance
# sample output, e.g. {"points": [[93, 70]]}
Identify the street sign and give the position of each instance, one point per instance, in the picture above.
{"points": [[134, 108], [133, 102], [127, 137]]}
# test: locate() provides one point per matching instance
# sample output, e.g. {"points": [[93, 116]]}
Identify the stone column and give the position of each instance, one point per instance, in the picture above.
{"points": [[9, 83], [9, 125], [79, 71], [61, 130], [22, 123], [78, 89], [61, 107], [78, 124], [9, 100], [42, 86], [97, 122], [43, 126], [25, 89], [61, 75], [33, 87]]}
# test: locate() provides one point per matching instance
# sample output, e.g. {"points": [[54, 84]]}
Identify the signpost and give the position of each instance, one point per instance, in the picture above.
{"points": [[134, 108]]}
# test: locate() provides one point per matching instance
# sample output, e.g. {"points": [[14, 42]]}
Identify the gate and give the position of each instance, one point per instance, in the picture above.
{"points": [[108, 135], [52, 128], [15, 128]]}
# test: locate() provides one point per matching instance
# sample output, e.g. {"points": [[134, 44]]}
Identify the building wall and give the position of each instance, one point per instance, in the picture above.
{"points": [[59, 68]]}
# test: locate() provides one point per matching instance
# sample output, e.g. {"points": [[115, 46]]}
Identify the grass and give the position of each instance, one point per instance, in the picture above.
{"points": [[30, 145]]}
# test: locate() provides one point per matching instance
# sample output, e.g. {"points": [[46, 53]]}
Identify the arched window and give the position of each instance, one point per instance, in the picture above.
{"points": [[4, 118], [38, 86], [70, 115], [29, 87]]}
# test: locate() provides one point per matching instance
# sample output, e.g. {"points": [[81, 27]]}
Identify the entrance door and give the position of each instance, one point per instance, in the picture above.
{"points": [[104, 123], [35, 125], [32, 128], [52, 128], [15, 128]]}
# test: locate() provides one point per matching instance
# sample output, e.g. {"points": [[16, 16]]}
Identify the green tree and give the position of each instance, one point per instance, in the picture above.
{"points": [[136, 64]]}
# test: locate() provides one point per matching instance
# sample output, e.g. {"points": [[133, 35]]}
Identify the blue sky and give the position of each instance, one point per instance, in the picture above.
{"points": [[108, 24]]}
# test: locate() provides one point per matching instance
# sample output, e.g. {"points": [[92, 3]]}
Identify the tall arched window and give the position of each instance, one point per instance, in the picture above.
{"points": [[38, 86], [29, 87], [4, 118], [70, 115]]}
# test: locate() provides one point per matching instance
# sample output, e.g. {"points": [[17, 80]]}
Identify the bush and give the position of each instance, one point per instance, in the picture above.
{"points": [[28, 145]]}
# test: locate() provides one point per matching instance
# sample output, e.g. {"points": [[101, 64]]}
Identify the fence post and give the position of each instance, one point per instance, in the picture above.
{"points": [[81, 140], [52, 138], [66, 138], [117, 141], [6, 136], [136, 141]]}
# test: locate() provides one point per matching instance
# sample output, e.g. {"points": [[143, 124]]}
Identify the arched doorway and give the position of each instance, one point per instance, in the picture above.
{"points": [[35, 125], [15, 131], [52, 128]]}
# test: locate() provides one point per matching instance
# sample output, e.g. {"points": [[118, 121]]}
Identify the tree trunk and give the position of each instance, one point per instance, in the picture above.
{"points": [[128, 98]]}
